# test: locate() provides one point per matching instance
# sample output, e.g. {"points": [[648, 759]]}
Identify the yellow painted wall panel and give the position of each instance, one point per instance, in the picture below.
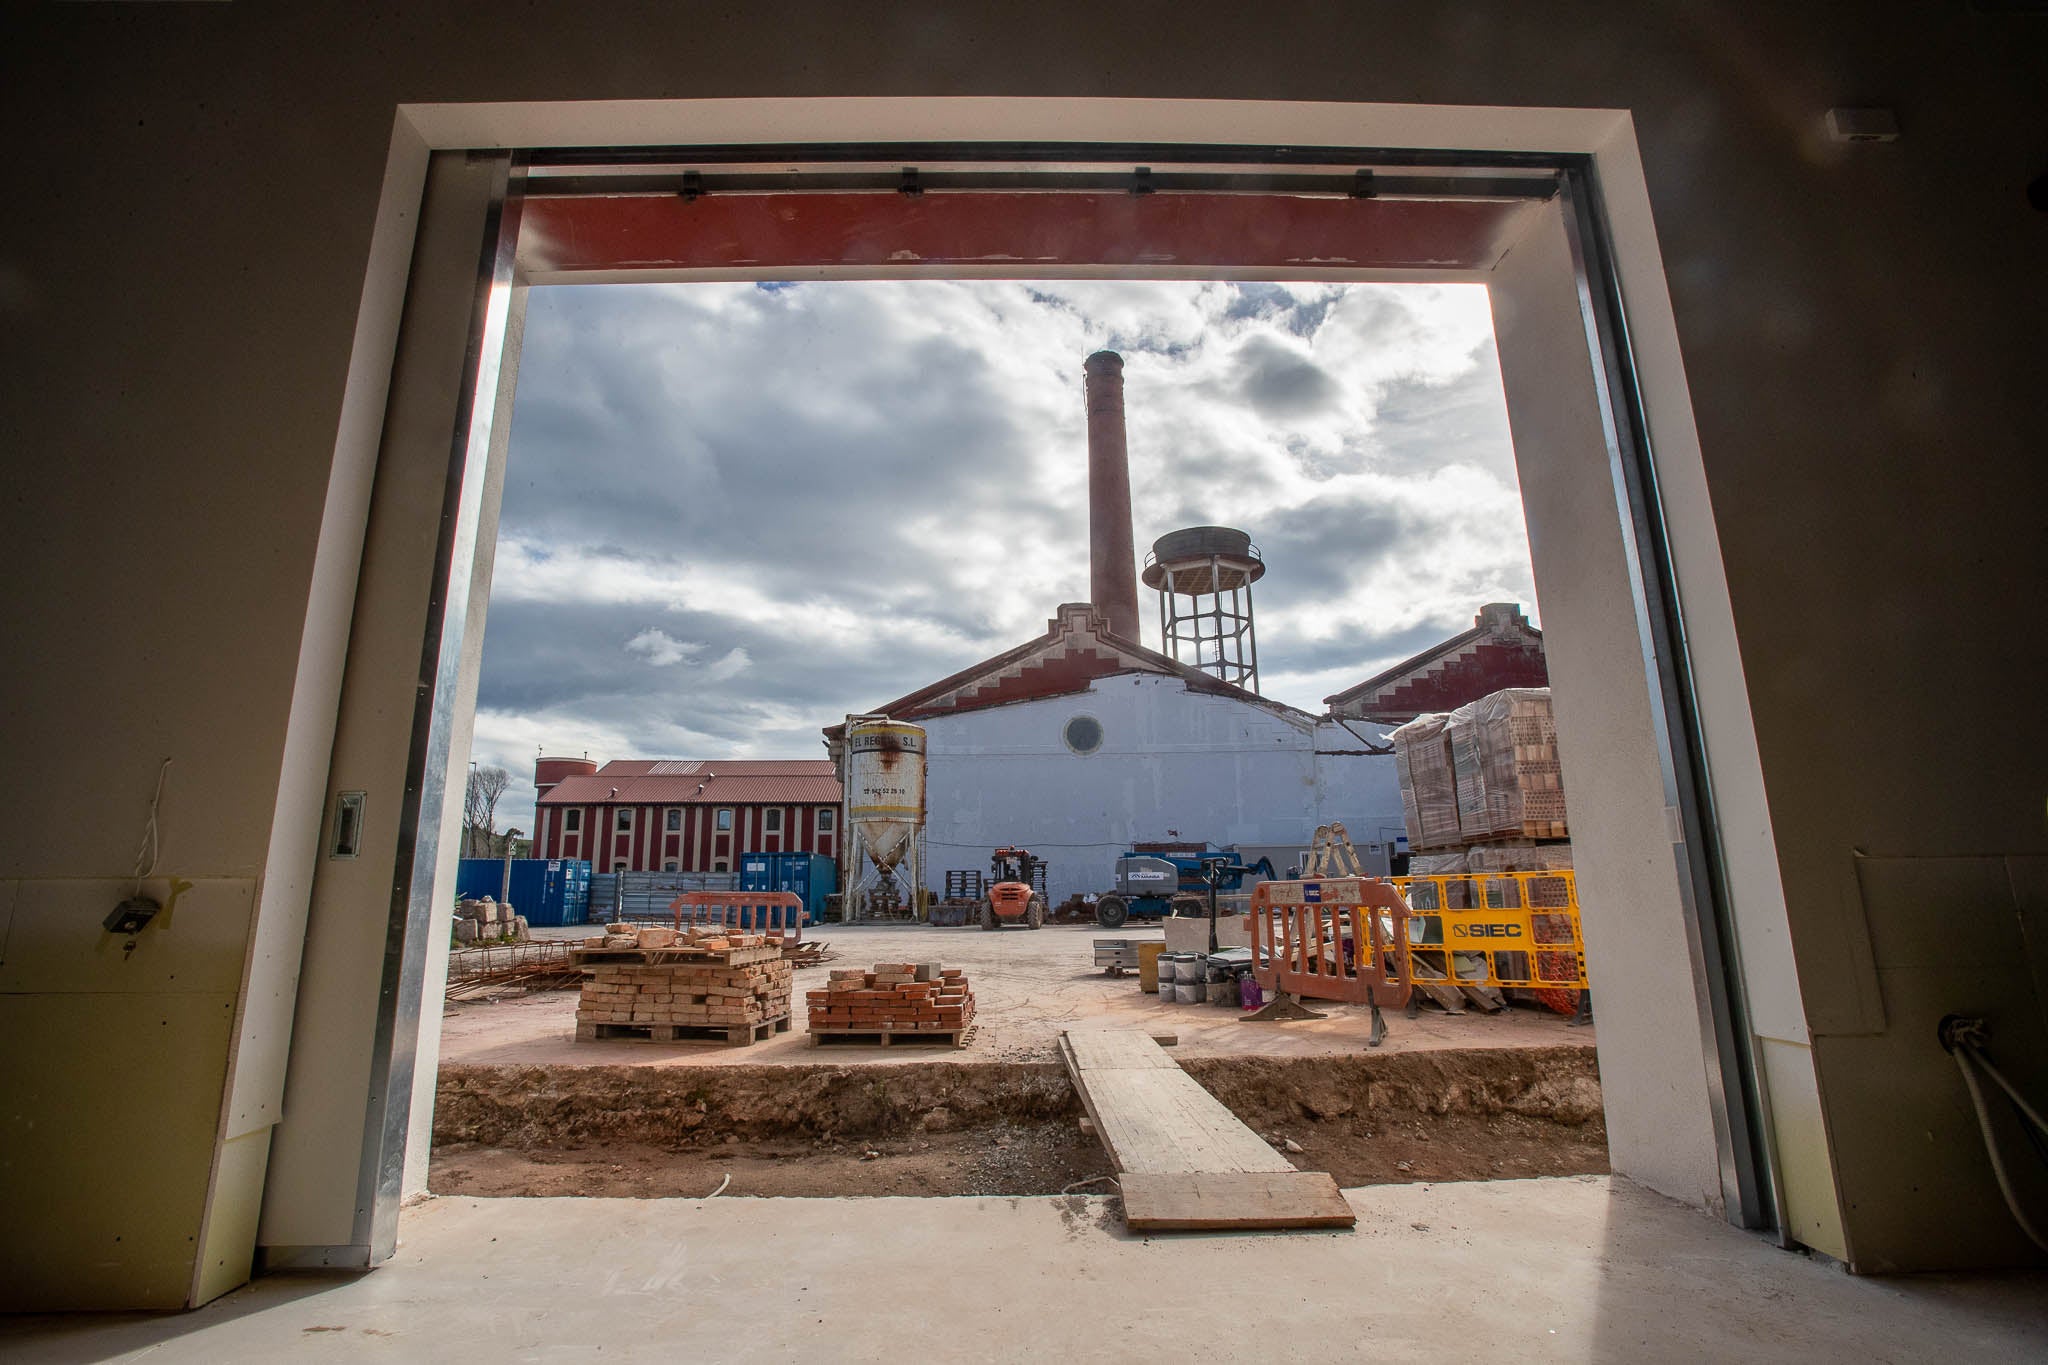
{"points": [[106, 1140], [194, 945], [229, 1241]]}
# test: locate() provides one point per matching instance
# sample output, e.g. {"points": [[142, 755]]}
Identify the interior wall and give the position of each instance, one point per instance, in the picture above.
{"points": [[193, 295]]}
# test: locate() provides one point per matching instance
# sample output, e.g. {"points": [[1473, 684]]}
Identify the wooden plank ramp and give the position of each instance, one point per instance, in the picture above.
{"points": [[1184, 1161]]}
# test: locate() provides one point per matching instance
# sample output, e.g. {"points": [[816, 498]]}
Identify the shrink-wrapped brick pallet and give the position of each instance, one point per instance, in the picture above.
{"points": [[1422, 895], [1429, 796], [1506, 776], [1543, 893]]}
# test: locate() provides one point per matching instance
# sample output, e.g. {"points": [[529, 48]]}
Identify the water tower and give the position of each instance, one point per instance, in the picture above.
{"points": [[1204, 577], [547, 772]]}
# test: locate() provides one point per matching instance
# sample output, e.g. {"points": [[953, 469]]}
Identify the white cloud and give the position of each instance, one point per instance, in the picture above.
{"points": [[661, 649], [730, 665], [837, 493]]}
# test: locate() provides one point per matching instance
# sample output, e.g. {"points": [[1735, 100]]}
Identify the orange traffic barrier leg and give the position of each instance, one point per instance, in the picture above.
{"points": [[1283, 1005]]}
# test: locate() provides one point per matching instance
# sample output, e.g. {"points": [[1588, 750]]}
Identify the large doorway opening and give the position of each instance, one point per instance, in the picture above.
{"points": [[1529, 226], [735, 512]]}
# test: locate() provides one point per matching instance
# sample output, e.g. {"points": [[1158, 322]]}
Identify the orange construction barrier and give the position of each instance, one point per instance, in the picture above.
{"points": [[1332, 938], [750, 912]]}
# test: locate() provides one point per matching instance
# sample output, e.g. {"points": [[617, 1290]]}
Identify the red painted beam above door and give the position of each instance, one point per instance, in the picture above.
{"points": [[885, 232]]}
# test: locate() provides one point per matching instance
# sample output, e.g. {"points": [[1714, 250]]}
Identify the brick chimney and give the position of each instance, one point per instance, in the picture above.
{"points": [[1112, 556]]}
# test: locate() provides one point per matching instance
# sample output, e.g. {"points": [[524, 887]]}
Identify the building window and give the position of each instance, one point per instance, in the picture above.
{"points": [[721, 865], [771, 821], [675, 819], [724, 822], [1083, 734], [572, 821], [623, 821], [826, 817], [669, 866], [618, 864]]}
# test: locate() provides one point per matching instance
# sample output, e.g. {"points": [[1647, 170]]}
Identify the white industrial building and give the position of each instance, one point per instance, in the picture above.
{"points": [[1078, 744]]}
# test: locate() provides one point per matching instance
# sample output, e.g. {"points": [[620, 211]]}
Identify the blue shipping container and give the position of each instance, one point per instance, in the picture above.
{"points": [[811, 876], [548, 891]]}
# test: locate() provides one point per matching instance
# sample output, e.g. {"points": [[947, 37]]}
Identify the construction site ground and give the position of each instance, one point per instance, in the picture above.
{"points": [[1028, 985], [524, 1109]]}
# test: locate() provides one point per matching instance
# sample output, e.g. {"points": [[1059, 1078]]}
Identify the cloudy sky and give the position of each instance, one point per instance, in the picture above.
{"points": [[735, 512]]}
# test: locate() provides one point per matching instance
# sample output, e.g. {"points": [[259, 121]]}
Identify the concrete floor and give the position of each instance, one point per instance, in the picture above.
{"points": [[1586, 1268], [1027, 987]]}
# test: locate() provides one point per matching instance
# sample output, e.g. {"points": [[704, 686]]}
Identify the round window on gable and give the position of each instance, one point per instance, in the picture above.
{"points": [[1083, 734]]}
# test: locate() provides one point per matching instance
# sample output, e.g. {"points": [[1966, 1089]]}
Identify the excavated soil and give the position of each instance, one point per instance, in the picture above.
{"points": [[933, 1128]]}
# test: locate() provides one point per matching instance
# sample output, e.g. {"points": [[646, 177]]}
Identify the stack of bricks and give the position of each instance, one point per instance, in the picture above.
{"points": [[1429, 793], [1504, 751], [682, 988], [712, 938], [896, 997], [1486, 771]]}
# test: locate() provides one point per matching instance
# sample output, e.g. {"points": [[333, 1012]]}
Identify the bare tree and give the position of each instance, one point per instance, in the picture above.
{"points": [[480, 809]]}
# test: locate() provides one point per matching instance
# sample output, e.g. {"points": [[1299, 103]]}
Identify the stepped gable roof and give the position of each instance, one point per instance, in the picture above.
{"points": [[700, 782], [1501, 650], [1077, 649]]}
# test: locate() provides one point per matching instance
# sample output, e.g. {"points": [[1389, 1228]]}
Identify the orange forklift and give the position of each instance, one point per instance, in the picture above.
{"points": [[1016, 893]]}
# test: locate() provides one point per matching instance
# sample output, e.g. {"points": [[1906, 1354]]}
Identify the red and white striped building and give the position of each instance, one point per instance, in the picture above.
{"points": [[671, 815]]}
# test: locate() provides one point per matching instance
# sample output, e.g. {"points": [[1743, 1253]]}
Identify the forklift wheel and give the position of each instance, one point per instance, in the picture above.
{"points": [[988, 916], [1034, 913]]}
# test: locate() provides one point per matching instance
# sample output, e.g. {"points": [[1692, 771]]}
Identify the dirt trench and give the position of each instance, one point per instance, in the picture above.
{"points": [[945, 1128]]}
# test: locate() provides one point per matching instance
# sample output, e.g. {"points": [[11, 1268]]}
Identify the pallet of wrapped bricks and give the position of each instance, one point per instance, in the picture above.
{"points": [[1429, 797], [1457, 895], [1505, 772], [1544, 893], [655, 985], [896, 1002]]}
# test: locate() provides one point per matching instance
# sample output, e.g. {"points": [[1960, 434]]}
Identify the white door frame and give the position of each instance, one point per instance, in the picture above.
{"points": [[1720, 874]]}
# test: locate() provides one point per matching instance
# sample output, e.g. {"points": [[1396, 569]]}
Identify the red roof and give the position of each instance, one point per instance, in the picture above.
{"points": [[1501, 650], [700, 782], [1076, 650]]}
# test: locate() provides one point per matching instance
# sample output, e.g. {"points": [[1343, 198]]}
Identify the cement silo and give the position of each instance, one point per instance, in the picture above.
{"points": [[884, 818]]}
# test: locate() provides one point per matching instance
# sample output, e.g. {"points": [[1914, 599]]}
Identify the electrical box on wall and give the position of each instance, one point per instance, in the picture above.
{"points": [[131, 915], [348, 825]]}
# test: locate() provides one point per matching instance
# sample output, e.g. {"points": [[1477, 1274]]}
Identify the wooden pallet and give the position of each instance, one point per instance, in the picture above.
{"points": [[676, 957], [735, 1035], [884, 1037], [1184, 1161]]}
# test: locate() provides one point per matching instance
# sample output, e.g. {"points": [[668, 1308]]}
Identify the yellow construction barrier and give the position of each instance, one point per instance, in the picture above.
{"points": [[1523, 926]]}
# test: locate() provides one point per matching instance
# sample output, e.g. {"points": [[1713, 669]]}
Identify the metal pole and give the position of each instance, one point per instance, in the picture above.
{"points": [[1212, 873], [1252, 635]]}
